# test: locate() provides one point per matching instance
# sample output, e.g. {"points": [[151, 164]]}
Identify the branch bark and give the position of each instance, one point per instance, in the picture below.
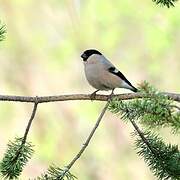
{"points": [[46, 99]]}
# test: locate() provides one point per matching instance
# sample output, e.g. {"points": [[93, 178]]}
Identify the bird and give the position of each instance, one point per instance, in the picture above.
{"points": [[102, 74]]}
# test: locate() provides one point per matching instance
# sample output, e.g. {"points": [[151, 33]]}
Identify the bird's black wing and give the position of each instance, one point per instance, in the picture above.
{"points": [[116, 72]]}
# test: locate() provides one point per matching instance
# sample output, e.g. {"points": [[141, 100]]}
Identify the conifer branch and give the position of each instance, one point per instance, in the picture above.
{"points": [[12, 164], [142, 136], [168, 3], [18, 152], [163, 160], [165, 163], [155, 111], [2, 31]]}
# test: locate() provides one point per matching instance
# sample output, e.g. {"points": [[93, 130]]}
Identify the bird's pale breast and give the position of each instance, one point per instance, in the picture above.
{"points": [[100, 78]]}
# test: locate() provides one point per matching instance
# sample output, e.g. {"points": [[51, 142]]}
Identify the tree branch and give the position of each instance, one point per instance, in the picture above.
{"points": [[30, 121], [142, 136], [18, 152], [27, 129], [78, 155], [46, 99]]}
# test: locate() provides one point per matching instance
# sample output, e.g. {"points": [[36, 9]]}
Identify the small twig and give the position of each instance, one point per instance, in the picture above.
{"points": [[78, 155], [46, 99], [143, 137], [27, 129], [30, 121]]}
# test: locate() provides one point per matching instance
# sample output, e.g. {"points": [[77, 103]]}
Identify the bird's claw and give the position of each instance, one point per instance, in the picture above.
{"points": [[111, 95], [92, 96]]}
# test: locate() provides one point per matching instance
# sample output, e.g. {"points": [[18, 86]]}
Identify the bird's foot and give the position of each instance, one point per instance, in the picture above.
{"points": [[93, 95], [111, 95]]}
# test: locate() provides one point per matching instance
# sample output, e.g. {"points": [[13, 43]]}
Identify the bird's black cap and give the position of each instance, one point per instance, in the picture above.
{"points": [[86, 54]]}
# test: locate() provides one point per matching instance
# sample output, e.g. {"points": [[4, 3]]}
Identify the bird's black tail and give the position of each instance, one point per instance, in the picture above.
{"points": [[134, 89]]}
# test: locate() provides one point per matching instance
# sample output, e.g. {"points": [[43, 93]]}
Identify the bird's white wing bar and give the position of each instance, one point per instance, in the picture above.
{"points": [[116, 72]]}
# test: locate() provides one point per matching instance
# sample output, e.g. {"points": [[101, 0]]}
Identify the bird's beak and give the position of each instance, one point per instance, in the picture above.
{"points": [[84, 57]]}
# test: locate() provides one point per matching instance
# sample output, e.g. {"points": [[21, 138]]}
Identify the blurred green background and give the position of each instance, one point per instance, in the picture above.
{"points": [[41, 56]]}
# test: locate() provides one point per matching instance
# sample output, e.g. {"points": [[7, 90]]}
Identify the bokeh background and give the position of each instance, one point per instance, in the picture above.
{"points": [[41, 56]]}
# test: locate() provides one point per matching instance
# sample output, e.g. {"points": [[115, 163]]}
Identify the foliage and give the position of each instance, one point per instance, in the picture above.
{"points": [[153, 111], [55, 173], [159, 41], [2, 31], [165, 163], [167, 3], [15, 158]]}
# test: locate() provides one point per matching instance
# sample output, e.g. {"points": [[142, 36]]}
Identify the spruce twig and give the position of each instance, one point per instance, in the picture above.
{"points": [[168, 3], [2, 32], [18, 153], [142, 137], [10, 166], [165, 163], [163, 160], [56, 173], [155, 110]]}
